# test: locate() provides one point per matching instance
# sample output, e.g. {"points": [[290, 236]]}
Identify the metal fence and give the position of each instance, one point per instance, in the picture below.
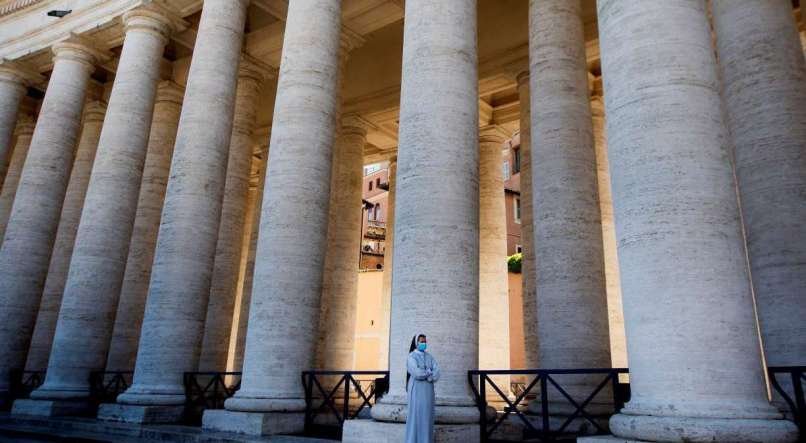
{"points": [[794, 378], [208, 390]]}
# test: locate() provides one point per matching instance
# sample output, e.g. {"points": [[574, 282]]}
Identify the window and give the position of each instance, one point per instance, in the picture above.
{"points": [[517, 208], [370, 185], [516, 161], [506, 170], [519, 249], [377, 211], [378, 182]]}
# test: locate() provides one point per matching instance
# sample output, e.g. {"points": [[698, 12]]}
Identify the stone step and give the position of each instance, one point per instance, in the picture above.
{"points": [[92, 430]]}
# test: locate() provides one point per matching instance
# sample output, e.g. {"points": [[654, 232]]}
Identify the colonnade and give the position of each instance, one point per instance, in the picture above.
{"points": [[135, 265]]}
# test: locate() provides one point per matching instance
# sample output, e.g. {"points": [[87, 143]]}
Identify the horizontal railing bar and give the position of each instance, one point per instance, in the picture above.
{"points": [[548, 371], [345, 372]]}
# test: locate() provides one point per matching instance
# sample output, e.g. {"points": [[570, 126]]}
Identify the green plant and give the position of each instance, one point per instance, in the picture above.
{"points": [[514, 263]]}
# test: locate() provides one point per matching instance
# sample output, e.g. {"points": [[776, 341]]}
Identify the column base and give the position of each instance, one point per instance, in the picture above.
{"points": [[253, 423], [371, 431], [51, 408], [699, 429], [140, 414], [605, 439]]}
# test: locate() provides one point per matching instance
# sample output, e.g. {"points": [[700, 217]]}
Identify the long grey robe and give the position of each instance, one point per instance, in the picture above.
{"points": [[424, 373]]}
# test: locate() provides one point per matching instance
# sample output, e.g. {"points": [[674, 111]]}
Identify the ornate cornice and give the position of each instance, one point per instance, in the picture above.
{"points": [[11, 6]]}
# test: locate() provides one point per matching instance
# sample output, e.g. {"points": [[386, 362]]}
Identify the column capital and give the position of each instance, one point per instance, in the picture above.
{"points": [[355, 124], [94, 111], [350, 40], [157, 18], [20, 73], [597, 106], [80, 49], [168, 91], [523, 78], [252, 68], [492, 134]]}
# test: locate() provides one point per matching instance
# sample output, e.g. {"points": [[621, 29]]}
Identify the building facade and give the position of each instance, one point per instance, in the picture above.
{"points": [[181, 178]]}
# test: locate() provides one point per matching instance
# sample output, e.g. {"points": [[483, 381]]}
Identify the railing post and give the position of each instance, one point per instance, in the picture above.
{"points": [[346, 408], [483, 406], [544, 406], [797, 387]]}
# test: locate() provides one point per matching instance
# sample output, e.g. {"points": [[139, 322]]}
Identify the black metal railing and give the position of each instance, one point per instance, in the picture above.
{"points": [[793, 393], [22, 383], [328, 397], [105, 386], [537, 423], [207, 390]]}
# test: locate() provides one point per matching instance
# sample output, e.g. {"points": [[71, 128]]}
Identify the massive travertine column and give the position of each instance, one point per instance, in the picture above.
{"points": [[288, 279], [25, 129], [42, 339], [335, 350], [436, 273], [764, 92], [572, 319], [695, 365], [134, 289], [173, 324], [388, 262], [224, 284], [31, 228], [528, 294], [493, 285], [91, 293], [618, 345], [13, 81]]}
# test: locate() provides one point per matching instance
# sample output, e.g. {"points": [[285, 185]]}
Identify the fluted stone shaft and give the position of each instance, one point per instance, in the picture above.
{"points": [[436, 273], [25, 129], [528, 294], [569, 272], [12, 89], [335, 350], [176, 306], [388, 263], [288, 279], [695, 365], [493, 277], [764, 92], [51, 301], [249, 266], [224, 285], [31, 228], [618, 344], [91, 293], [134, 289]]}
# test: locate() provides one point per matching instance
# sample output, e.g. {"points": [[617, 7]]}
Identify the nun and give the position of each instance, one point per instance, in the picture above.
{"points": [[423, 372]]}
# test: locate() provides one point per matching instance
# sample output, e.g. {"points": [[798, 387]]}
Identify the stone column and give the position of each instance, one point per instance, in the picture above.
{"points": [[249, 266], [25, 129], [288, 277], [51, 301], [176, 306], [528, 294], [133, 292], [764, 92], [13, 81], [335, 350], [31, 228], [618, 344], [388, 262], [224, 284], [91, 293], [493, 284], [569, 273], [695, 365], [436, 268]]}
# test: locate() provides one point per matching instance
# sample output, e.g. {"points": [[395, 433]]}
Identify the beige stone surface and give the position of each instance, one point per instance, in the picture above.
{"points": [[437, 236], [224, 284], [764, 90], [39, 351], [695, 364], [92, 288], [173, 323], [31, 228], [288, 278], [133, 291], [24, 131]]}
